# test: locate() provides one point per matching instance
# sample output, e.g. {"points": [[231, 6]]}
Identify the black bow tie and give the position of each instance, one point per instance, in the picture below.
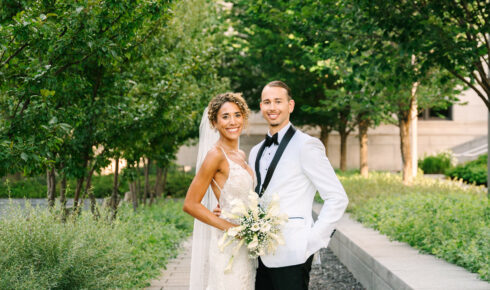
{"points": [[271, 140]]}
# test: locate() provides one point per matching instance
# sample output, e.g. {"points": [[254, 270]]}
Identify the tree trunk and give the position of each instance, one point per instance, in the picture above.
{"points": [[78, 189], [138, 181], [63, 192], [115, 190], [134, 194], [324, 134], [51, 184], [414, 122], [363, 154], [343, 151], [414, 129], [88, 190], [404, 124], [344, 131], [133, 189], [158, 182], [164, 183], [146, 194]]}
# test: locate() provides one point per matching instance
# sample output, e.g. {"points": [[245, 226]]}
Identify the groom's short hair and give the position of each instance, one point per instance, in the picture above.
{"points": [[280, 84]]}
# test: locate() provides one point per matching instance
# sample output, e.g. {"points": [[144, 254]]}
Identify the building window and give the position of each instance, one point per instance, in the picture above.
{"points": [[437, 114]]}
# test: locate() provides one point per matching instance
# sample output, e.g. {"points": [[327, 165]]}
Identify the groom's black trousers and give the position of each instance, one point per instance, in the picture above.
{"points": [[296, 277]]}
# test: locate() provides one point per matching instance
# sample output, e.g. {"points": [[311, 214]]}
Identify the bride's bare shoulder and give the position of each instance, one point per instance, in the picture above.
{"points": [[214, 156]]}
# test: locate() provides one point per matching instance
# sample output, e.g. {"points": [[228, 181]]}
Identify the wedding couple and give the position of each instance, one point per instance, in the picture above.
{"points": [[288, 162]]}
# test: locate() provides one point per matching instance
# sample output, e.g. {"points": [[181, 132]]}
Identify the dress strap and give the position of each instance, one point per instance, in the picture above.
{"points": [[223, 150], [217, 185]]}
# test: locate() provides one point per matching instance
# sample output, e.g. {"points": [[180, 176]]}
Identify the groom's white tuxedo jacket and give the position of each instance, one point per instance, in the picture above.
{"points": [[302, 170]]}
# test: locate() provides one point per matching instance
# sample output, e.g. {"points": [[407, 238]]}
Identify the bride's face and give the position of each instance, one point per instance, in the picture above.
{"points": [[229, 121]]}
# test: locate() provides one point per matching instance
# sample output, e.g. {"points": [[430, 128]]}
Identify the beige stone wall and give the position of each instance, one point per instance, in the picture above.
{"points": [[469, 122]]}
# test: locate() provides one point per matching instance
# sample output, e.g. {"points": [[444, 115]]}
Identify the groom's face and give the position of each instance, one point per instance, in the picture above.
{"points": [[276, 106]]}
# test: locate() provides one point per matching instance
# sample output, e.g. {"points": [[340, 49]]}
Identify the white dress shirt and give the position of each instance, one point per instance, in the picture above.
{"points": [[269, 152]]}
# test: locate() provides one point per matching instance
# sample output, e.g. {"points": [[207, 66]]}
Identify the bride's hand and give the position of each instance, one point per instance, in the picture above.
{"points": [[217, 211]]}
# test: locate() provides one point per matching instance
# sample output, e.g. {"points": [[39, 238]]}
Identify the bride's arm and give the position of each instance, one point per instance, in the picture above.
{"points": [[197, 190]]}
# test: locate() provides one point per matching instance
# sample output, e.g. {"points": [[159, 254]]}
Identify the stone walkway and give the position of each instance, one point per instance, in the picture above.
{"points": [[331, 274], [176, 276]]}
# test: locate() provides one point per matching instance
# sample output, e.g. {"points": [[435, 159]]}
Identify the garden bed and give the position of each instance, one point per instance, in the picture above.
{"points": [[435, 217], [41, 252]]}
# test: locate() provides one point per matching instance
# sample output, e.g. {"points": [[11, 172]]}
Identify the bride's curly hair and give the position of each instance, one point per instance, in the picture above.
{"points": [[218, 101]]}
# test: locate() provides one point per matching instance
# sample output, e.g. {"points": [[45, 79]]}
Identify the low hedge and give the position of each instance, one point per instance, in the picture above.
{"points": [[41, 252], [437, 217], [471, 172], [437, 163], [453, 226], [35, 187]]}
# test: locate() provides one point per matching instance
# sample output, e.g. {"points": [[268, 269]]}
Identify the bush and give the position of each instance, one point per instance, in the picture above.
{"points": [[472, 172], [41, 252], [178, 182], [438, 163], [454, 227], [35, 187], [437, 217]]}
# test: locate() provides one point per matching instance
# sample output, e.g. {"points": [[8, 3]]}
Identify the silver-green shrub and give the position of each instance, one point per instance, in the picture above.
{"points": [[39, 251]]}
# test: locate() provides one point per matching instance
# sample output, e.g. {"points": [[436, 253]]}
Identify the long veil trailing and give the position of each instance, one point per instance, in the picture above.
{"points": [[202, 232]]}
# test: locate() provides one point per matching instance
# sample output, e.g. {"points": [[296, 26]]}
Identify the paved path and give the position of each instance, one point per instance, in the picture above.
{"points": [[176, 276], [331, 274]]}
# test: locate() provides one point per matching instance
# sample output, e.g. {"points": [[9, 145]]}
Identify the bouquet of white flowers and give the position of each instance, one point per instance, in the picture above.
{"points": [[259, 228]]}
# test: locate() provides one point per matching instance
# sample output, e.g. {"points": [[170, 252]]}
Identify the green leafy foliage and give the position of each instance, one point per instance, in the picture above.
{"points": [[85, 82], [451, 226], [35, 187], [438, 217], [472, 172], [178, 183], [41, 252], [437, 163]]}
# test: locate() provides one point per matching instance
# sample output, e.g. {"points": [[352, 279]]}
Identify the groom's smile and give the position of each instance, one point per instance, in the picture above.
{"points": [[276, 106]]}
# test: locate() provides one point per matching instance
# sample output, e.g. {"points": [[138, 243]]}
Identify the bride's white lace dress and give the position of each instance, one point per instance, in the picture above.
{"points": [[242, 275]]}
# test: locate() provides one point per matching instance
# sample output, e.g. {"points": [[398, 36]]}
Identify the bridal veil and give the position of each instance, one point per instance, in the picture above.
{"points": [[202, 232]]}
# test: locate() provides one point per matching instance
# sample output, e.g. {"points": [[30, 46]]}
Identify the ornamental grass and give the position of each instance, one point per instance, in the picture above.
{"points": [[40, 251]]}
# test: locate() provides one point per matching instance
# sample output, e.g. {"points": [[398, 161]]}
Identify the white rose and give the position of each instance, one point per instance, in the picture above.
{"points": [[265, 227]]}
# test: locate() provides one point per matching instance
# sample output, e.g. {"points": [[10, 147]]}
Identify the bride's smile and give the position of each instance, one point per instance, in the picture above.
{"points": [[229, 121]]}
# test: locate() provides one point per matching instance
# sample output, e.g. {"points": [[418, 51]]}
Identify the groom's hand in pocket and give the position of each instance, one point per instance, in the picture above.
{"points": [[217, 211]]}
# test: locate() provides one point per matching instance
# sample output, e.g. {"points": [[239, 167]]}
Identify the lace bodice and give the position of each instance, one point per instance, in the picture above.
{"points": [[242, 275], [237, 186]]}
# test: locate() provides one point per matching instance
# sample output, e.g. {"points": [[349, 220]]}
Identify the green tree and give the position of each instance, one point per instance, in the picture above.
{"points": [[452, 34]]}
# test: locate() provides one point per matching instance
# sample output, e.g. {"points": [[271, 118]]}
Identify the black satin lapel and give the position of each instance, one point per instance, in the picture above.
{"points": [[284, 142], [257, 166]]}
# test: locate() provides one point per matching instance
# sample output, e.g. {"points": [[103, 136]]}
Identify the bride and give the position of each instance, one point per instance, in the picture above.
{"points": [[223, 175]]}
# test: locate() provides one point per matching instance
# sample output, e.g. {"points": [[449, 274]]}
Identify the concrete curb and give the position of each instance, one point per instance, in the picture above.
{"points": [[378, 263]]}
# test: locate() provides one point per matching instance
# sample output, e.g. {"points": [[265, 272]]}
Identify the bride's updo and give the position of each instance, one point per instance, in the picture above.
{"points": [[218, 101]]}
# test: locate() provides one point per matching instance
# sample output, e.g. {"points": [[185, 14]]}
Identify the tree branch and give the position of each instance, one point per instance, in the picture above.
{"points": [[478, 92], [5, 50], [487, 43], [15, 110], [483, 76], [480, 82], [15, 53], [63, 68]]}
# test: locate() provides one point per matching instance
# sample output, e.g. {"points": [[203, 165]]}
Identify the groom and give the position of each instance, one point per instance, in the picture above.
{"points": [[293, 164]]}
